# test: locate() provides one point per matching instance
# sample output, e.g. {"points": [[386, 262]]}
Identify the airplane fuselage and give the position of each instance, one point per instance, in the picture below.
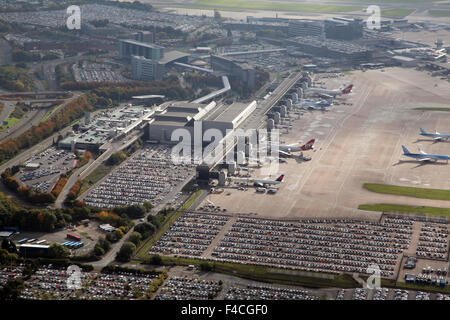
{"points": [[427, 157]]}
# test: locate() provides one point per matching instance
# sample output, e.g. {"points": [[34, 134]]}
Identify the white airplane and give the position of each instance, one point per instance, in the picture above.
{"points": [[436, 136], [261, 182], [332, 93]]}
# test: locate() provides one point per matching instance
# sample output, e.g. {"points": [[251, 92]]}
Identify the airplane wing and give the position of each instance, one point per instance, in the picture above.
{"points": [[324, 95], [284, 153], [437, 138]]}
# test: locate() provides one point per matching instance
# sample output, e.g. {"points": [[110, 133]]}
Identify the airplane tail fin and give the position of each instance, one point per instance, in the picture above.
{"points": [[422, 131], [308, 145], [420, 150], [280, 178], [405, 151], [347, 89]]}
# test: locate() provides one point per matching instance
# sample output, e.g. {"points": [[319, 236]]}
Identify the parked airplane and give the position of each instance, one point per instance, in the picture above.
{"points": [[320, 104], [422, 156], [285, 150], [264, 182], [312, 104], [261, 183], [333, 93], [436, 136]]}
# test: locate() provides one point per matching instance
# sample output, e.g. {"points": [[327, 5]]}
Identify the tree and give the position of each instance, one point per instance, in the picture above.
{"points": [[135, 237], [145, 229], [57, 251], [155, 260], [9, 246], [11, 290], [98, 251], [105, 244], [153, 220], [125, 253], [148, 206], [205, 266]]}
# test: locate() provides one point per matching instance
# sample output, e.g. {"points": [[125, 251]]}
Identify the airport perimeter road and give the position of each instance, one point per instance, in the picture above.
{"points": [[24, 155], [8, 107], [32, 118]]}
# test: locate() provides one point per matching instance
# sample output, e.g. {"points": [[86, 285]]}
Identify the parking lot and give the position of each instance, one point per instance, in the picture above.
{"points": [[266, 292], [388, 294], [50, 164], [96, 72], [318, 245], [51, 283], [185, 288], [149, 175], [190, 235]]}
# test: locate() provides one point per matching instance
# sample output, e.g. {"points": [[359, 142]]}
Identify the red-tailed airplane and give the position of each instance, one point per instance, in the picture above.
{"points": [[330, 93], [285, 150]]}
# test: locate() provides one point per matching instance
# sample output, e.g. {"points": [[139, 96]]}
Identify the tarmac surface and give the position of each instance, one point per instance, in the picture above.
{"points": [[357, 144]]}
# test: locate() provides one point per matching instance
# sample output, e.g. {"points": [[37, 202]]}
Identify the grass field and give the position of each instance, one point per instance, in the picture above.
{"points": [[275, 6], [385, 207], [11, 122], [101, 171], [390, 1], [439, 13], [423, 193], [49, 113], [271, 275], [397, 13], [141, 252], [433, 109], [409, 286]]}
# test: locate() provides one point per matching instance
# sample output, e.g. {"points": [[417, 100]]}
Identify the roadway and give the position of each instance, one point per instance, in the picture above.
{"points": [[30, 119], [83, 172]]}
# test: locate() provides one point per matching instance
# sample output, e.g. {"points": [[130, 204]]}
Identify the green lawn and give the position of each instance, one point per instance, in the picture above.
{"points": [[409, 286], [397, 13], [439, 13], [423, 193], [390, 1], [101, 171], [386, 207], [11, 123], [433, 109], [49, 113], [271, 275], [141, 252], [275, 6]]}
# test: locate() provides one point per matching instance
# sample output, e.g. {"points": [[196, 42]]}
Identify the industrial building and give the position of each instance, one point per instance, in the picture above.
{"points": [[345, 51], [143, 69], [145, 36], [303, 28], [109, 125], [240, 71], [29, 250], [190, 116], [343, 28], [129, 48]]}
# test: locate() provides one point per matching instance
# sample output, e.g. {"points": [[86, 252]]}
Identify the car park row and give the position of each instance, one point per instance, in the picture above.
{"points": [[148, 176]]}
